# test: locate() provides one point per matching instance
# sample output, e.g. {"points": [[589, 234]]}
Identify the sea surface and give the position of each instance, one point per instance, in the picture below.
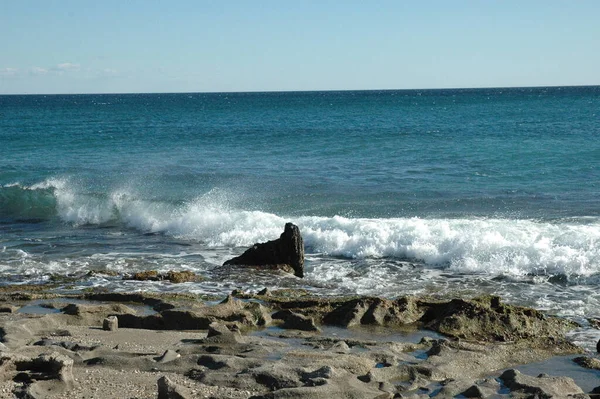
{"points": [[437, 192]]}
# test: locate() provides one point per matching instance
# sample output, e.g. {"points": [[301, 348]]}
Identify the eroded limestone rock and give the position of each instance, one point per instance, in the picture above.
{"points": [[167, 389], [541, 386]]}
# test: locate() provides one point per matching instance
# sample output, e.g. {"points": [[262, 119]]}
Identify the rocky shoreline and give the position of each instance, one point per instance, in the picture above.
{"points": [[277, 344], [280, 344]]}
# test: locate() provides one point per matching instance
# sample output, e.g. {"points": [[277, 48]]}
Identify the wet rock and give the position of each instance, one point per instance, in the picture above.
{"points": [[199, 317], [483, 319], [147, 275], [588, 362], [598, 346], [175, 277], [182, 276], [96, 311], [285, 253], [375, 311], [167, 389], [487, 319], [348, 314], [295, 321], [540, 387], [148, 299], [111, 323], [437, 346]]}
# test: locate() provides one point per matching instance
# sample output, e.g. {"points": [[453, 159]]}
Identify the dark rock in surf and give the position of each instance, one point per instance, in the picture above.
{"points": [[285, 253]]}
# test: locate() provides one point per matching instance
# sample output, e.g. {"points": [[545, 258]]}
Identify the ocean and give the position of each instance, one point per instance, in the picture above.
{"points": [[455, 192]]}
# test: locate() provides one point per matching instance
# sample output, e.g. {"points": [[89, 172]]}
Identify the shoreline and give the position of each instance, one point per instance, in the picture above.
{"points": [[284, 343]]}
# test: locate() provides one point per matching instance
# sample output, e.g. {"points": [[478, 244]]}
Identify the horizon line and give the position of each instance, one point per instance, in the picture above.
{"points": [[301, 91]]}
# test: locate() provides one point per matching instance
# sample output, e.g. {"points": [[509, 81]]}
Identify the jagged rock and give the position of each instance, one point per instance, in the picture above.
{"points": [[172, 276], [487, 319], [40, 376], [8, 308], [541, 387], [285, 253], [295, 321], [167, 389], [467, 388], [276, 376], [146, 275], [72, 346], [111, 323], [75, 309], [217, 329], [231, 310], [343, 386], [483, 319], [375, 311], [588, 362], [182, 276], [157, 304], [437, 346], [340, 347], [474, 392], [221, 334], [325, 372]]}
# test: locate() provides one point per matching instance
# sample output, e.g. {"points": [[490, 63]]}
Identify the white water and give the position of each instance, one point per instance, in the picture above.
{"points": [[493, 246]]}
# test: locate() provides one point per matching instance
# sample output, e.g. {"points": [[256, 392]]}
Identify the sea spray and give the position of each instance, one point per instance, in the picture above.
{"points": [[490, 245]]}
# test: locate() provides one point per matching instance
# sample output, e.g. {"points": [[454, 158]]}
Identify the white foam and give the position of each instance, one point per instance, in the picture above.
{"points": [[496, 246]]}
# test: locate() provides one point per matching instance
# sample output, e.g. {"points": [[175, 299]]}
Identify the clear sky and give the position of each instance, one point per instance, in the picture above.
{"points": [[115, 46]]}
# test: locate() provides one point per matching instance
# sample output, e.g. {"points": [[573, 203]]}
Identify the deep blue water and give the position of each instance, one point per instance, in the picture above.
{"points": [[472, 186]]}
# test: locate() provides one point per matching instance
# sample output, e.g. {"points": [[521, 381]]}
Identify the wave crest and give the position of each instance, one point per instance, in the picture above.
{"points": [[496, 246]]}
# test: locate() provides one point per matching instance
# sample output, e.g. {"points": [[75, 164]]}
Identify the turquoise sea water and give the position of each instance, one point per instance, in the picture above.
{"points": [[433, 191]]}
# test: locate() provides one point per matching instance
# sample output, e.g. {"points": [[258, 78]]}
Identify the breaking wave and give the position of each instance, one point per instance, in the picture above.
{"points": [[473, 245]]}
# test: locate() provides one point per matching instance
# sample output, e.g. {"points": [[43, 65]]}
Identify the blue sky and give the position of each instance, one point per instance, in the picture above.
{"points": [[85, 46]]}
